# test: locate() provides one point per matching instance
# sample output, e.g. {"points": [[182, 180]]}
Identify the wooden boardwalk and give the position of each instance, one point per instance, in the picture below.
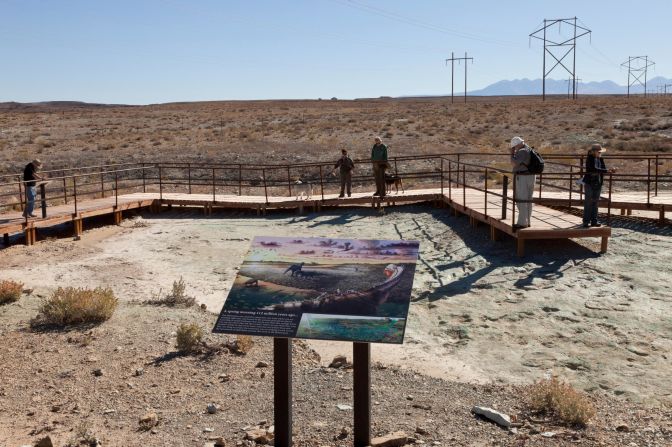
{"points": [[547, 223]]}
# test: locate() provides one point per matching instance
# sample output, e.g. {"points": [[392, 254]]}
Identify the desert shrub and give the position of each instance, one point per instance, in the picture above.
{"points": [[177, 296], [10, 291], [243, 344], [189, 337], [70, 305], [557, 398]]}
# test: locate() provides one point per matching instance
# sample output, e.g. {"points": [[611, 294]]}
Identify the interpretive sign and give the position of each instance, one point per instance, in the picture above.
{"points": [[318, 288]]}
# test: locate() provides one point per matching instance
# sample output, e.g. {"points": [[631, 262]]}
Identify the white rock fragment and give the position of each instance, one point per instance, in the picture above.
{"points": [[495, 416]]}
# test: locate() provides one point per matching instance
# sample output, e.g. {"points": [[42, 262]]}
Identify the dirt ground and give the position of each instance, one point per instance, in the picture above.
{"points": [[481, 319]]}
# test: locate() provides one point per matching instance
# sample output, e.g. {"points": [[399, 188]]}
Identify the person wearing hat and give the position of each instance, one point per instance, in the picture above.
{"points": [[524, 181], [593, 180], [345, 166], [379, 161], [30, 175]]}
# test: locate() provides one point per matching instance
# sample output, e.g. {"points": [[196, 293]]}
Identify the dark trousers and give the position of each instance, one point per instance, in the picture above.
{"points": [[346, 182], [379, 176], [591, 197]]}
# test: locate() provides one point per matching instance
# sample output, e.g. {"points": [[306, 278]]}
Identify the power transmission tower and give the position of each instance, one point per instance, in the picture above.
{"points": [[452, 73], [665, 88], [638, 66], [566, 46], [569, 84]]}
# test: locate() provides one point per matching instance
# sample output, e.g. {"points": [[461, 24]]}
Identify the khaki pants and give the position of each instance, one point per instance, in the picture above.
{"points": [[524, 191], [346, 182], [379, 175]]}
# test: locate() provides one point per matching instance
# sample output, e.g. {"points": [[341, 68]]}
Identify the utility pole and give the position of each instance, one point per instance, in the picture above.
{"points": [[452, 73], [638, 66], [665, 88], [560, 49], [569, 84]]}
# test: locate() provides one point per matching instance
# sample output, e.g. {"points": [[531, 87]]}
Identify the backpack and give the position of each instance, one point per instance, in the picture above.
{"points": [[536, 164]]}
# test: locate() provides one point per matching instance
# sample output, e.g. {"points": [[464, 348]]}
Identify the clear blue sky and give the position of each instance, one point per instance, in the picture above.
{"points": [[149, 51]]}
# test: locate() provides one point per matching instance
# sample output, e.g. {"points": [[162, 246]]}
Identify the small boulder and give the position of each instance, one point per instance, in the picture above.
{"points": [[148, 421], [396, 439], [339, 361], [495, 416], [262, 364], [98, 372], [259, 435], [212, 408], [219, 442]]}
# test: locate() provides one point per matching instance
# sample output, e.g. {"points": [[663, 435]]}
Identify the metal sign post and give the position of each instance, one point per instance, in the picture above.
{"points": [[361, 390], [282, 391]]}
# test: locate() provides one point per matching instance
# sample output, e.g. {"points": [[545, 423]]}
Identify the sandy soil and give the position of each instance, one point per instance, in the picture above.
{"points": [[479, 313]]}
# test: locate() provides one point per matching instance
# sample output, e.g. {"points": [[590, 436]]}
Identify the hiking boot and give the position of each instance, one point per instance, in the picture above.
{"points": [[595, 224], [340, 196], [585, 225]]}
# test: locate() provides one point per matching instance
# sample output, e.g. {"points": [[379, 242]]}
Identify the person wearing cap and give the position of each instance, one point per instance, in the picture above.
{"points": [[593, 180], [345, 165], [30, 175], [379, 161], [524, 181]]}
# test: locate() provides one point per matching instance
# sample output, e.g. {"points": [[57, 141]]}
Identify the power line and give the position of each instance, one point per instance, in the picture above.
{"points": [[551, 47], [638, 66], [452, 73]]}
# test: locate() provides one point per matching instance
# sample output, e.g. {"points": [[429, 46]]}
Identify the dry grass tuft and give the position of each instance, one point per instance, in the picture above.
{"points": [[555, 397], [70, 306], [243, 344], [10, 291], [189, 338], [177, 297]]}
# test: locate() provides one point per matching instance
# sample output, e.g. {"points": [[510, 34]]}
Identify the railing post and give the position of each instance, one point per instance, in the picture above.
{"points": [[321, 183], [505, 192], [486, 192], [450, 180], [214, 187], [289, 183], [144, 183], [263, 175], [74, 190], [464, 186], [442, 178], [20, 182], [609, 203], [648, 182], [160, 183], [240, 179], [655, 193], [571, 185], [102, 183], [116, 189], [65, 191], [189, 176], [541, 180]]}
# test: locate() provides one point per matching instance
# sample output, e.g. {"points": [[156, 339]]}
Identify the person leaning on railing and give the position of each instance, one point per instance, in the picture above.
{"points": [[30, 175], [593, 180], [520, 159], [379, 161]]}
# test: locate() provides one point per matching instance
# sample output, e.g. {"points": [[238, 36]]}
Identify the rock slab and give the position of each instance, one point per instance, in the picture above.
{"points": [[495, 416], [396, 439]]}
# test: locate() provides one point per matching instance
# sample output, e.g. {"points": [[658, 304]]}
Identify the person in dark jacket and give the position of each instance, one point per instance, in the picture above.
{"points": [[345, 166], [379, 162], [593, 180], [30, 175]]}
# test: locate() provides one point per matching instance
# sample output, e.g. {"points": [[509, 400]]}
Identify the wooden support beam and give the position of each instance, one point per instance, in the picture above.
{"points": [[77, 227], [29, 233], [117, 217], [629, 211], [520, 247], [622, 211], [5, 239], [494, 233], [605, 242], [661, 216], [300, 208]]}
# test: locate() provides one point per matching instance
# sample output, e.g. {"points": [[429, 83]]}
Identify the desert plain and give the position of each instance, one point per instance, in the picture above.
{"points": [[483, 323]]}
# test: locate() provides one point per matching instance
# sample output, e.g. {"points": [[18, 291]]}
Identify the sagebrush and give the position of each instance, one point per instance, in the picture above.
{"points": [[557, 398], [70, 306], [10, 291], [189, 338], [177, 296]]}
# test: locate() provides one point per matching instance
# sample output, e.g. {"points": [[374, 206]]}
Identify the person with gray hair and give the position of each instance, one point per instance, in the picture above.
{"points": [[379, 162], [29, 176], [524, 181]]}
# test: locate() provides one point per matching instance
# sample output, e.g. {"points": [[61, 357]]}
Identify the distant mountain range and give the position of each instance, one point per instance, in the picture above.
{"points": [[559, 87]]}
